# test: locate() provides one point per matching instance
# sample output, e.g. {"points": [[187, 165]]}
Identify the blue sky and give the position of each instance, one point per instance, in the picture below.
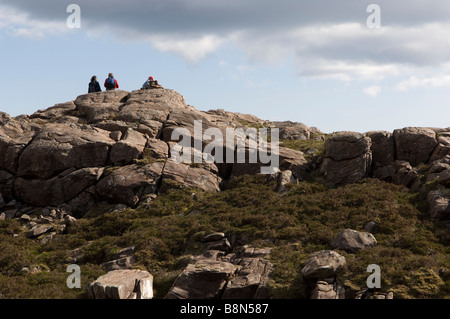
{"points": [[312, 62]]}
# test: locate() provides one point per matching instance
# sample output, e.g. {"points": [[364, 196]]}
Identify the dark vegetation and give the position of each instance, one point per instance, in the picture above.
{"points": [[412, 251]]}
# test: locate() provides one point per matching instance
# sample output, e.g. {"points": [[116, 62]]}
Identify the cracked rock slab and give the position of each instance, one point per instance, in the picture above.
{"points": [[323, 264], [121, 284], [204, 279], [353, 241]]}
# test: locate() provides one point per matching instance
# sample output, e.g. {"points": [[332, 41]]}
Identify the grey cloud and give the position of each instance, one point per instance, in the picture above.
{"points": [[265, 27], [198, 16]]}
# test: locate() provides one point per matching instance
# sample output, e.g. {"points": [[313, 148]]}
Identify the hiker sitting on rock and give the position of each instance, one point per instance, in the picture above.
{"points": [[111, 83], [150, 84], [94, 86]]}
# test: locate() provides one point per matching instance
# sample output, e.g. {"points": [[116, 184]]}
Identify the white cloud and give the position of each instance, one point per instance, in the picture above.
{"points": [[423, 82], [20, 24], [372, 91], [192, 50]]}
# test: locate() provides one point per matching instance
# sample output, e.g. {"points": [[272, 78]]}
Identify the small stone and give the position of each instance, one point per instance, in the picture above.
{"points": [[353, 241], [371, 227], [31, 224], [45, 220], [69, 220], [38, 230], [116, 135], [323, 264]]}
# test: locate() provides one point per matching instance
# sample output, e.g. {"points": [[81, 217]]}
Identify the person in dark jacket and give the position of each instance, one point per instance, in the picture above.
{"points": [[94, 86], [111, 83]]}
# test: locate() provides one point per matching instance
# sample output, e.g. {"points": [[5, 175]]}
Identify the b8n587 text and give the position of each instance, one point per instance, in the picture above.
{"points": [[246, 308]]}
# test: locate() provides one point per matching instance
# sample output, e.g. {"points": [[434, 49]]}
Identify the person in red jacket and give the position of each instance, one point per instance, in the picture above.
{"points": [[111, 83]]}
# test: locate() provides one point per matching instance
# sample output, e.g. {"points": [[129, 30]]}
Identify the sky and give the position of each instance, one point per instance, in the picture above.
{"points": [[333, 64]]}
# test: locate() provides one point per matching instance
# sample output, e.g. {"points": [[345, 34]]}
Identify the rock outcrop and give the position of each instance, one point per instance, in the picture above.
{"points": [[122, 284], [321, 270], [348, 158], [117, 146], [216, 275], [415, 145], [323, 264], [353, 241]]}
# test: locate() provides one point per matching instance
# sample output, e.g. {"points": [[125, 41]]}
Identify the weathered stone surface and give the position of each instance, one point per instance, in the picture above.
{"points": [[405, 174], [6, 185], [4, 118], [443, 148], [346, 145], [414, 144], [284, 178], [383, 154], [38, 230], [250, 282], [203, 279], [182, 119], [126, 185], [444, 178], [57, 190], [323, 264], [55, 112], [347, 158], [114, 126], [59, 147], [120, 284], [325, 290], [243, 275], [130, 147], [157, 149], [292, 131], [81, 203], [436, 169], [347, 171], [288, 159], [201, 176], [13, 140], [100, 106], [353, 241], [151, 108], [439, 204]]}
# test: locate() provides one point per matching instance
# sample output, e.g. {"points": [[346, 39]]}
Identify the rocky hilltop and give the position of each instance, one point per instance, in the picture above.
{"points": [[63, 164], [115, 146]]}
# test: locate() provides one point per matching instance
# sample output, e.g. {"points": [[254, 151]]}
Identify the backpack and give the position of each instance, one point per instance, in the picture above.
{"points": [[110, 83]]}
